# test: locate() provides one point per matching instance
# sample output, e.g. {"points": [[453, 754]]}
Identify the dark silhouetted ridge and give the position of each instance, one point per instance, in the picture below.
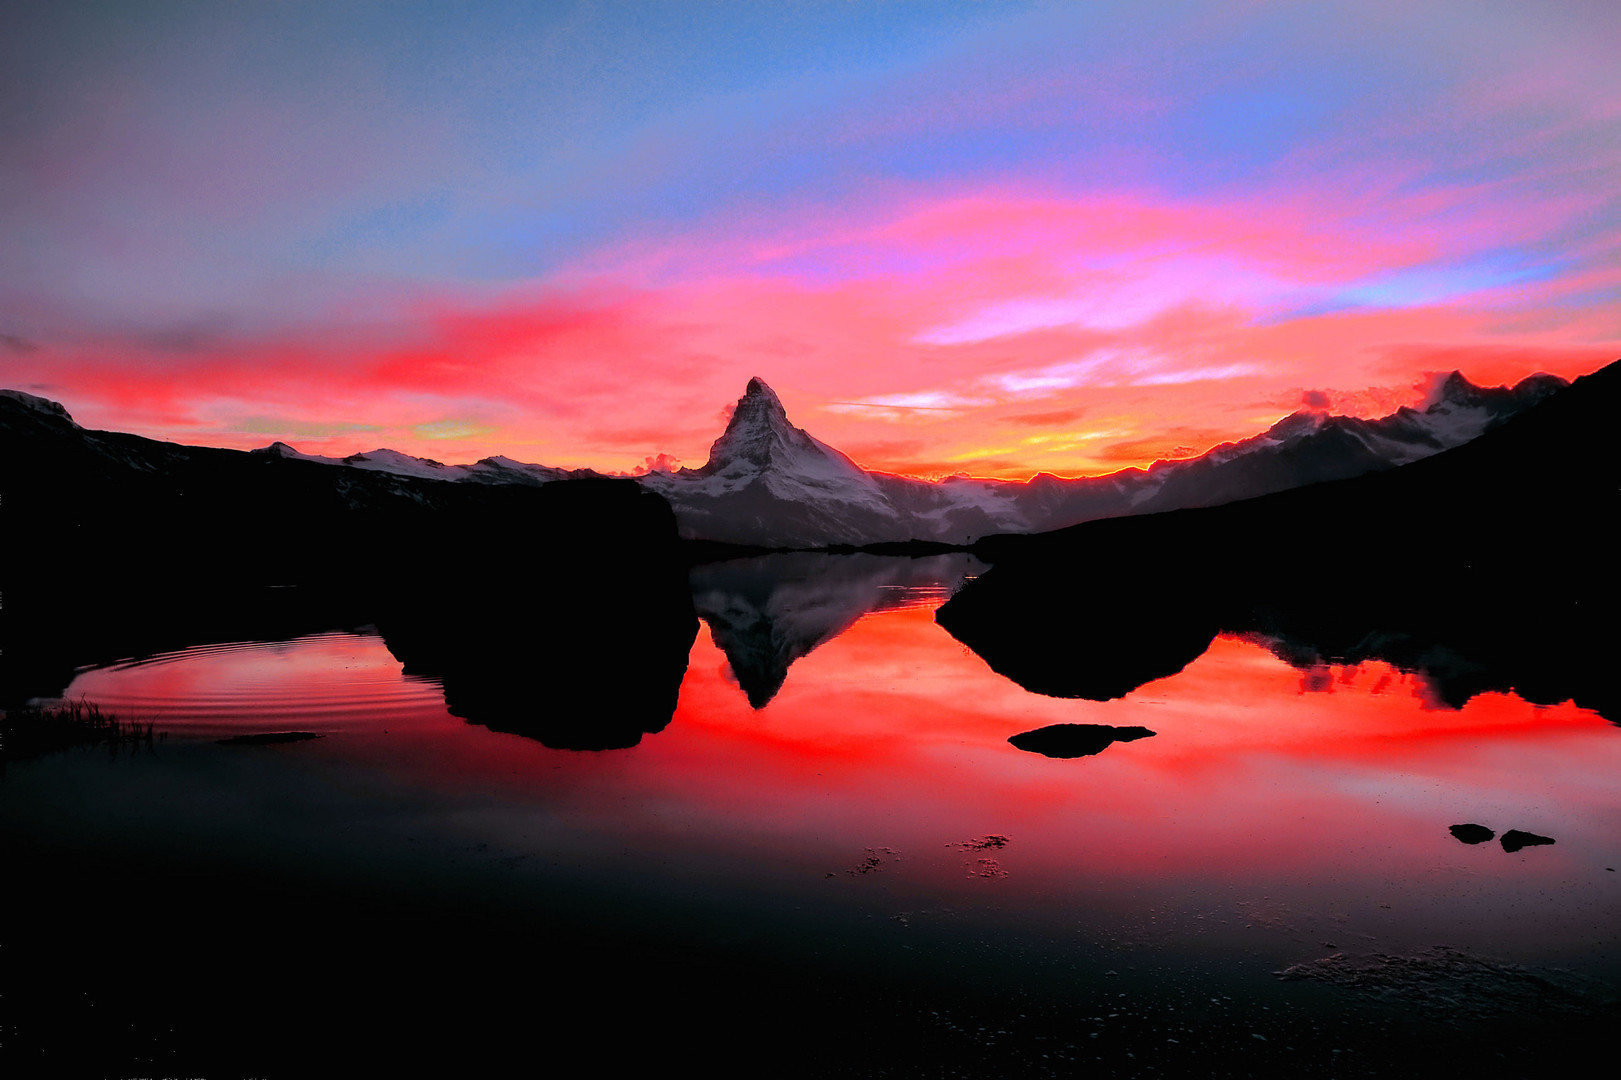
{"points": [[1489, 566], [556, 610]]}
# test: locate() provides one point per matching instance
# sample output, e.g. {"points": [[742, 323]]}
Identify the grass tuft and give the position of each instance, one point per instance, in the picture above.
{"points": [[32, 731]]}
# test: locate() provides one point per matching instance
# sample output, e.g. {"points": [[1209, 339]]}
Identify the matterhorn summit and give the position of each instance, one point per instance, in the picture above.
{"points": [[760, 444], [768, 482]]}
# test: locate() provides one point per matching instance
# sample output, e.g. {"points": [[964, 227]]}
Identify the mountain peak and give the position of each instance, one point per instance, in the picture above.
{"points": [[757, 432], [759, 441], [1455, 389], [759, 404], [1298, 424], [55, 410]]}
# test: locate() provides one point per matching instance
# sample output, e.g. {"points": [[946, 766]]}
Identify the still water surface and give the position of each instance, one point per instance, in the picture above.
{"points": [[1275, 817]]}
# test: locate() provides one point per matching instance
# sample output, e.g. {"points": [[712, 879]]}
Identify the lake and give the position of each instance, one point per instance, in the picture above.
{"points": [[831, 860]]}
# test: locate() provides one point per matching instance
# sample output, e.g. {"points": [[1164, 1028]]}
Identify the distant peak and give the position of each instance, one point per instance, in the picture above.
{"points": [[55, 409], [1453, 389], [1456, 390], [759, 435], [1541, 384], [1296, 424], [758, 405]]}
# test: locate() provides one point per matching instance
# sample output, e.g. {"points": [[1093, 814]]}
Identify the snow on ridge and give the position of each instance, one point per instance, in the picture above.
{"points": [[279, 449], [35, 403], [769, 482]]}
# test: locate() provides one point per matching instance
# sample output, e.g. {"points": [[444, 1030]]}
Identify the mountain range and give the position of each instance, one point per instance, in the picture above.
{"points": [[770, 484], [1490, 566]]}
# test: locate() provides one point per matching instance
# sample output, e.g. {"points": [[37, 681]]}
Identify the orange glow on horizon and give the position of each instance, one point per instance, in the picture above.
{"points": [[1001, 335]]}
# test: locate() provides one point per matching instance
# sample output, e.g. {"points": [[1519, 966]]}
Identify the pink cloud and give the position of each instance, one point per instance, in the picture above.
{"points": [[938, 324]]}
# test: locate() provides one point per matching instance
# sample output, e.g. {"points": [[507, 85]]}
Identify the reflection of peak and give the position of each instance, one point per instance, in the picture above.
{"points": [[764, 613]]}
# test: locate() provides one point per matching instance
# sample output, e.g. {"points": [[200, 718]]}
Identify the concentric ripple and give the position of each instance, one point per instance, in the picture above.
{"points": [[323, 682]]}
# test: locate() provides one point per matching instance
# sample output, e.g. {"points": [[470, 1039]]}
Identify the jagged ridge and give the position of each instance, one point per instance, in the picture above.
{"points": [[770, 483]]}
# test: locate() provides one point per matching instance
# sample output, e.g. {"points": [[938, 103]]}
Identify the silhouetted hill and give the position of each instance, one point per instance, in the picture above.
{"points": [[119, 545], [1494, 560]]}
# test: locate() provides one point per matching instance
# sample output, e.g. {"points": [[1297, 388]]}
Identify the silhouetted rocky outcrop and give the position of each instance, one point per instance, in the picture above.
{"points": [[585, 652], [1490, 566]]}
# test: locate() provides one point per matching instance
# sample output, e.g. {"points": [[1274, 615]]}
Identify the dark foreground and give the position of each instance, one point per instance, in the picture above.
{"points": [[373, 946]]}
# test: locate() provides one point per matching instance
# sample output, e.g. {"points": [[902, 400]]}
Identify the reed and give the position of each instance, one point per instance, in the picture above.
{"points": [[33, 730]]}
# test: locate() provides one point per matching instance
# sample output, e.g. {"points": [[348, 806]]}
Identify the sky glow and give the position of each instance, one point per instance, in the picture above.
{"points": [[992, 238]]}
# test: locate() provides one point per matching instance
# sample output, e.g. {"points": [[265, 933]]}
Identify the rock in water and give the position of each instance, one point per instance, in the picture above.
{"points": [[1472, 834], [1075, 740], [1514, 840]]}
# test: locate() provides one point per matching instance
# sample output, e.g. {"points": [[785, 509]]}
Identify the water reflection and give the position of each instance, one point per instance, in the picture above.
{"points": [[1276, 807], [765, 613], [1109, 651]]}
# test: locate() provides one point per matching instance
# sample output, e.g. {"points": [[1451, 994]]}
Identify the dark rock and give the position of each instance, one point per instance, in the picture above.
{"points": [[1472, 834], [1075, 740], [269, 738], [1514, 840], [559, 611]]}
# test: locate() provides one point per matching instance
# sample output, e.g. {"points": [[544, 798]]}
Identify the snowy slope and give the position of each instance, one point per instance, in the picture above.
{"points": [[490, 470], [770, 483]]}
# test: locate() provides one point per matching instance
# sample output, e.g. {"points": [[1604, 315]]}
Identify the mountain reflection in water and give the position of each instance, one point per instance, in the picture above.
{"points": [[766, 612], [831, 823]]}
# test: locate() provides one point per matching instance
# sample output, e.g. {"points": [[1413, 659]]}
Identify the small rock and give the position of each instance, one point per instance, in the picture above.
{"points": [[1472, 834], [267, 738], [1514, 840]]}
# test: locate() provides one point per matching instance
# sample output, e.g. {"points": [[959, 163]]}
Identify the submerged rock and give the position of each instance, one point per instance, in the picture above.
{"points": [[267, 738], [1452, 985]]}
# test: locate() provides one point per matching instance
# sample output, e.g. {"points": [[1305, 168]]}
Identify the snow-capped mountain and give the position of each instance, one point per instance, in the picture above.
{"points": [[770, 483], [490, 470]]}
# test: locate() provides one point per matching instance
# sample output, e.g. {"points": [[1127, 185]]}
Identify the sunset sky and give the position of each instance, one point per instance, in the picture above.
{"points": [[987, 238]]}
